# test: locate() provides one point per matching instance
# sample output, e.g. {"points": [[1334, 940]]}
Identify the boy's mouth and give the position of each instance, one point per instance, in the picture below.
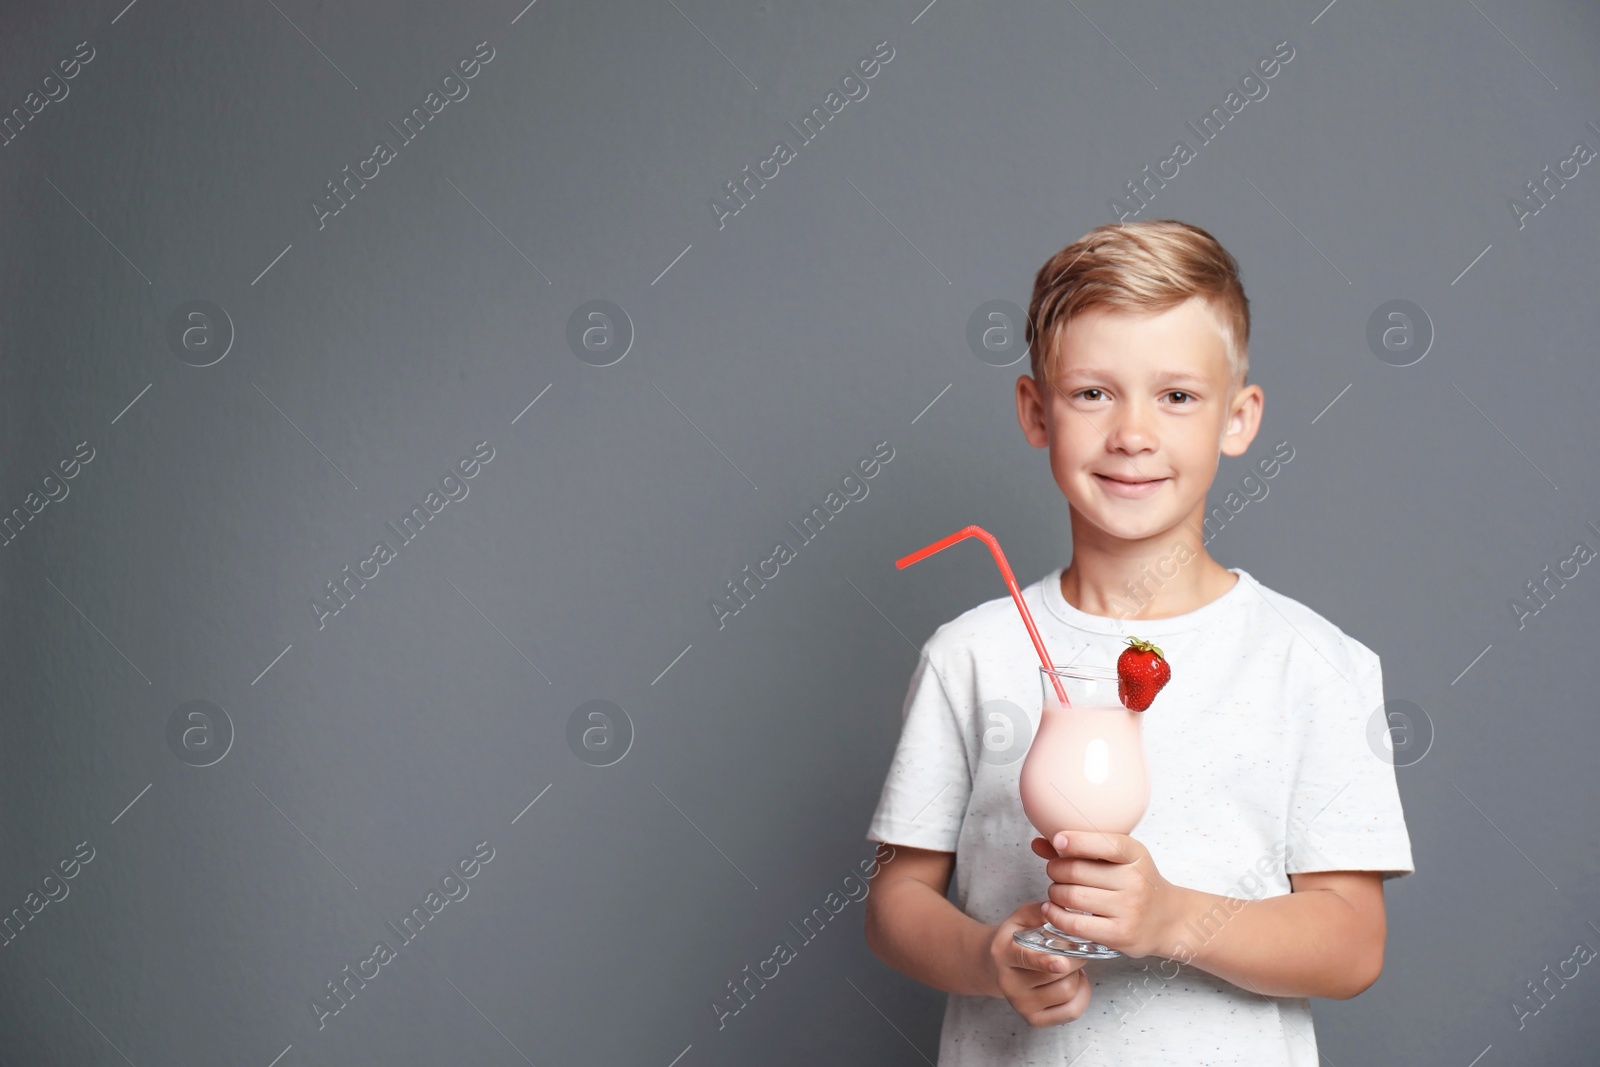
{"points": [[1129, 487]]}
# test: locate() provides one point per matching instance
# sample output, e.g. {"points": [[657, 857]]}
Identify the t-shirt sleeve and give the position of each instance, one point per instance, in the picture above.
{"points": [[925, 793], [1344, 804]]}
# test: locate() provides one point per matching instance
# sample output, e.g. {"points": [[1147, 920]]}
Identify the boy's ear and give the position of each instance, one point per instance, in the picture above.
{"points": [[1030, 412], [1243, 420]]}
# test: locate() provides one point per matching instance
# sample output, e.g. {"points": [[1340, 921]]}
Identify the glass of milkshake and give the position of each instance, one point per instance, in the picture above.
{"points": [[1085, 772]]}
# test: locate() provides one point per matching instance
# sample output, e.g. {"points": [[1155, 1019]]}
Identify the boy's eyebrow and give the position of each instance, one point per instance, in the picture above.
{"points": [[1185, 377]]}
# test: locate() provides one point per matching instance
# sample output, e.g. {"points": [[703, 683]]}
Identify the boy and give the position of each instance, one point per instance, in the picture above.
{"points": [[1255, 878]]}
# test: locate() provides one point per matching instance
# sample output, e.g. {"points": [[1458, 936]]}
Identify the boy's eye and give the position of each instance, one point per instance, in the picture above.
{"points": [[1095, 393]]}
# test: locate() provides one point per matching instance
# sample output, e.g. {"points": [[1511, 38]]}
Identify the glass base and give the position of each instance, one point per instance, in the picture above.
{"points": [[1047, 938]]}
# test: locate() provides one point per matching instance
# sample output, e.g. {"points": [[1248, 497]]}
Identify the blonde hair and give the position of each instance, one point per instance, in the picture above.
{"points": [[1147, 266]]}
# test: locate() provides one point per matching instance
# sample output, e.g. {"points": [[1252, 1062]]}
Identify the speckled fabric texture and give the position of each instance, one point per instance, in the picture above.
{"points": [[1262, 763]]}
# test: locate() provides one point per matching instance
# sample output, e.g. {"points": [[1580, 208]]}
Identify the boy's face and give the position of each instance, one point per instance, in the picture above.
{"points": [[1138, 410]]}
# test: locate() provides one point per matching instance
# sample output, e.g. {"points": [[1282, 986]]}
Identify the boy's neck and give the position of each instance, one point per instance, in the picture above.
{"points": [[1155, 579]]}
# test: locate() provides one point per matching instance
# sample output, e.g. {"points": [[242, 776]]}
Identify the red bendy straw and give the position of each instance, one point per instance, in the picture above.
{"points": [[1011, 583]]}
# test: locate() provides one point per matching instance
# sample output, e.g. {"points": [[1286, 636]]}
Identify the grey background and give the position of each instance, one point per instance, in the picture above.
{"points": [[826, 317]]}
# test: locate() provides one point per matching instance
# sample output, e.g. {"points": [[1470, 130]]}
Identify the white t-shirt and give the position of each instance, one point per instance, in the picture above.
{"points": [[1263, 761]]}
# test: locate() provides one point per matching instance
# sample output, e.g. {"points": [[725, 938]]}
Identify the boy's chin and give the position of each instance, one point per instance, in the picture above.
{"points": [[1129, 526]]}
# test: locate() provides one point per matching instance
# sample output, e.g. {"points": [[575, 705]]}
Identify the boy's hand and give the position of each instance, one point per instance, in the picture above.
{"points": [[1043, 988], [1111, 875]]}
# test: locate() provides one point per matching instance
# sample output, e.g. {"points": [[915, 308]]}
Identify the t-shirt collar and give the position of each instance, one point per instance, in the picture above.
{"points": [[1204, 615]]}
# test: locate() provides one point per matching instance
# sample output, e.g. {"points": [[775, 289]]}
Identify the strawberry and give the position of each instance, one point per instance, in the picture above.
{"points": [[1141, 672]]}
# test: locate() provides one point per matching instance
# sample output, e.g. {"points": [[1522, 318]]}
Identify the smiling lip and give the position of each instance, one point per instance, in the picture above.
{"points": [[1130, 489]]}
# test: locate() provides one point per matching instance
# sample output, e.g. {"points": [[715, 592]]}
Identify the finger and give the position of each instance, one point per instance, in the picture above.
{"points": [[1054, 990], [1081, 897], [1050, 1005], [1043, 990], [1096, 845], [1072, 1007], [1031, 959], [1025, 917], [1097, 873], [1091, 927], [1034, 981], [1050, 964]]}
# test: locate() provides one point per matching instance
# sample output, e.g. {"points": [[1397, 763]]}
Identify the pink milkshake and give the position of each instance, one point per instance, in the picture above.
{"points": [[1090, 774], [1085, 771]]}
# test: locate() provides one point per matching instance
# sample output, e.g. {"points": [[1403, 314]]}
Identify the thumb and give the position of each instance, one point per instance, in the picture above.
{"points": [[1028, 915]]}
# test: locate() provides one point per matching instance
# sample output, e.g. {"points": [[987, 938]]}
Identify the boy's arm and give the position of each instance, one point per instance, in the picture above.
{"points": [[1323, 939], [914, 928]]}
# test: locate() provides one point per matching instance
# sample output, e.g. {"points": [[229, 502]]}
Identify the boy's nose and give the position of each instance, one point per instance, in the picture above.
{"points": [[1131, 431]]}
